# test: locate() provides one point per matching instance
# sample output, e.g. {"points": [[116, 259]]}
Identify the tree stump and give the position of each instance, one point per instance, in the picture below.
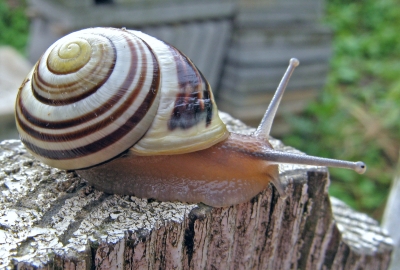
{"points": [[52, 219]]}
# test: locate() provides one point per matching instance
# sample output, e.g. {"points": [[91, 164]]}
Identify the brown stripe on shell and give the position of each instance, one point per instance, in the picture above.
{"points": [[110, 138], [105, 122], [207, 95], [193, 104], [73, 86], [90, 115]]}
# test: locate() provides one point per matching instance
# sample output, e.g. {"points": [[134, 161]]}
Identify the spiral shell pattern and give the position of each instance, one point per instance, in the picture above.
{"points": [[98, 92], [90, 97]]}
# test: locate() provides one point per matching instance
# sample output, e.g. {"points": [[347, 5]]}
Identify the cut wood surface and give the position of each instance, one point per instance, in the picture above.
{"points": [[51, 218]]}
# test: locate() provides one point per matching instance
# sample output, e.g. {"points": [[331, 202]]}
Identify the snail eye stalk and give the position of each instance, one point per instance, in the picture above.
{"points": [[265, 126]]}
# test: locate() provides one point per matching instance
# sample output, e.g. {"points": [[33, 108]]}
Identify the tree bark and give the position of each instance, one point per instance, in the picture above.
{"points": [[51, 218], [391, 218]]}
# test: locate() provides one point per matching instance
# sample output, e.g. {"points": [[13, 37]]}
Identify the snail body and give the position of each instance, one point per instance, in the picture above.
{"points": [[133, 115], [215, 175]]}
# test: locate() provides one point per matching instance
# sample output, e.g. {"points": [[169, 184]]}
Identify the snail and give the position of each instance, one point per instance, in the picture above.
{"points": [[133, 115]]}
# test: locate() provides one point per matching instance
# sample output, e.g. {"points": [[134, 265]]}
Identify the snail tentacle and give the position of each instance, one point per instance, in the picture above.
{"points": [[277, 157], [265, 126]]}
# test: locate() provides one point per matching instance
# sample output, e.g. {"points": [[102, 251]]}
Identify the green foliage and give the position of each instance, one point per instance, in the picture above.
{"points": [[357, 115], [14, 25]]}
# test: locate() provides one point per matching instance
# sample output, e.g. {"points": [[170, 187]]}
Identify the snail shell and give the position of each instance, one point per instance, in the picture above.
{"points": [[97, 92]]}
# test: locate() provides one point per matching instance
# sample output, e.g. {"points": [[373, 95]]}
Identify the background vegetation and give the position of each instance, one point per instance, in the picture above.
{"points": [[14, 24], [357, 115]]}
